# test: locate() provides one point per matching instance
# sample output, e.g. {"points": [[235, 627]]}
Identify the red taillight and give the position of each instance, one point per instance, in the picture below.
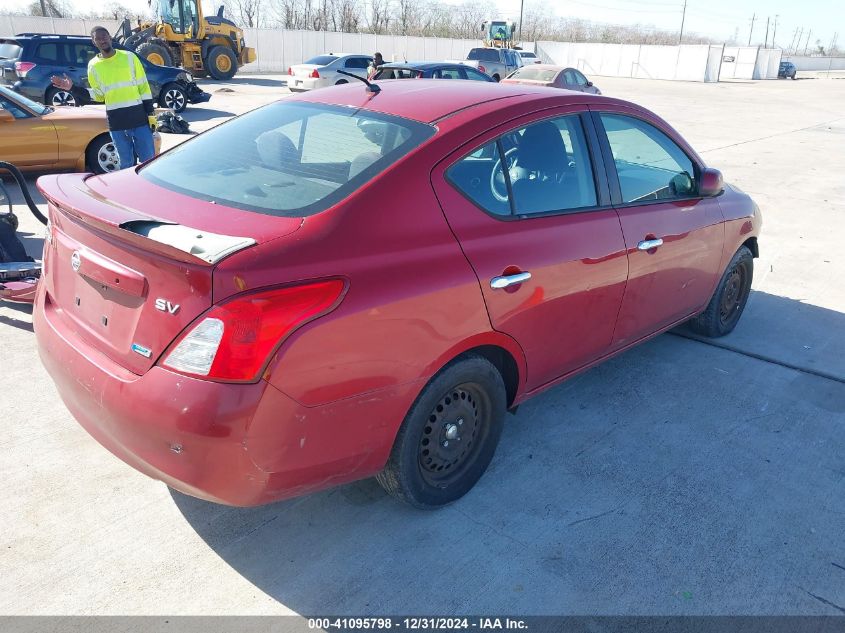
{"points": [[234, 340], [21, 68], [482, 68], [314, 74], [290, 70]]}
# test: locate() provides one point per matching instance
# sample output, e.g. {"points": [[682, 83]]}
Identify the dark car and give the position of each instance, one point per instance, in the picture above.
{"points": [[553, 77], [430, 70], [28, 60], [787, 69]]}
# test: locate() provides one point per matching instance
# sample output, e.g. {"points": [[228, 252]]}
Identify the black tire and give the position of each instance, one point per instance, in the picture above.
{"points": [[11, 249], [449, 436], [101, 155], [157, 51], [58, 97], [216, 63], [174, 97], [496, 78], [340, 81], [728, 301], [793, 76]]}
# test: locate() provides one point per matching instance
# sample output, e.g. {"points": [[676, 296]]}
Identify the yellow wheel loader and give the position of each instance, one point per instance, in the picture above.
{"points": [[182, 36]]}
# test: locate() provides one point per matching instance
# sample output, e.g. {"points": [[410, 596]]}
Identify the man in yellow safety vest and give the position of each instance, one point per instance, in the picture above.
{"points": [[117, 78]]}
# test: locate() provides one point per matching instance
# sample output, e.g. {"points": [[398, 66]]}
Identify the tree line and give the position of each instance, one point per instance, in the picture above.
{"points": [[427, 18]]}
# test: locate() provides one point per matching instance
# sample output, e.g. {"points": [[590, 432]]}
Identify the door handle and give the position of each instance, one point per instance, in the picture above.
{"points": [[509, 280], [647, 245]]}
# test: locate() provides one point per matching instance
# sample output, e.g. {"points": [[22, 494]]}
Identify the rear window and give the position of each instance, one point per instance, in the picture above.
{"points": [[9, 50], [397, 73], [535, 74], [287, 159], [484, 54], [322, 60]]}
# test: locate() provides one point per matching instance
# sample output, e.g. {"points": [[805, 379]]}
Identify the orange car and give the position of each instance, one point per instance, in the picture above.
{"points": [[35, 137]]}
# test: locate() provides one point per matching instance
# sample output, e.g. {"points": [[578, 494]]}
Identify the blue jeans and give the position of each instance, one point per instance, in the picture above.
{"points": [[131, 143]]}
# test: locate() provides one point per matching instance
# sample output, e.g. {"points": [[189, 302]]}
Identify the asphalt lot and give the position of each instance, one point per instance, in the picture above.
{"points": [[682, 477]]}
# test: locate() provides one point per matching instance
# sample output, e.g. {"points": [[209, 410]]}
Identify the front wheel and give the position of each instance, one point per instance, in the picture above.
{"points": [[449, 436], [221, 63], [728, 302], [174, 97]]}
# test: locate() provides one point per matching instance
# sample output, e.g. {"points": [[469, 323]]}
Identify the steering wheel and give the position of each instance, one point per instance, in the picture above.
{"points": [[497, 176]]}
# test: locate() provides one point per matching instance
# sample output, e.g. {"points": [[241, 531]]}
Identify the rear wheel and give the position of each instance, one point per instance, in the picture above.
{"points": [[728, 301], [449, 436], [496, 78], [57, 97], [102, 155], [174, 97], [221, 63], [340, 81], [155, 53]]}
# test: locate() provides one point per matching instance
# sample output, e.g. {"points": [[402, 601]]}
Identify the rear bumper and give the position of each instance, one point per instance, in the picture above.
{"points": [[301, 84], [236, 444]]}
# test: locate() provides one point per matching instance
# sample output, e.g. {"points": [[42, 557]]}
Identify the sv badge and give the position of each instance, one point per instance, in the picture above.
{"points": [[165, 306]]}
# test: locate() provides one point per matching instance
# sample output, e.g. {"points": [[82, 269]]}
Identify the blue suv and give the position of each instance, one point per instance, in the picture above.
{"points": [[786, 69], [28, 60]]}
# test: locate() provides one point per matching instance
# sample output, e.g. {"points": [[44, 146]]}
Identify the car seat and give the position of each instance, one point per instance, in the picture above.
{"points": [[543, 157]]}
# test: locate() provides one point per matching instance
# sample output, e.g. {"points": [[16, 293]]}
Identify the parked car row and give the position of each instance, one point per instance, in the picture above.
{"points": [[482, 64]]}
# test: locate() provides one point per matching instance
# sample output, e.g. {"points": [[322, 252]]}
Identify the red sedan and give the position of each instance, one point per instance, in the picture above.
{"points": [[345, 284]]}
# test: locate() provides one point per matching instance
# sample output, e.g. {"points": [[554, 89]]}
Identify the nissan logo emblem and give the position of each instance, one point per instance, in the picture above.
{"points": [[75, 261]]}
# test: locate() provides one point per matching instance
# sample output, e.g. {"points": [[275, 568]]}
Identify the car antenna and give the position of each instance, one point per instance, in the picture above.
{"points": [[371, 87]]}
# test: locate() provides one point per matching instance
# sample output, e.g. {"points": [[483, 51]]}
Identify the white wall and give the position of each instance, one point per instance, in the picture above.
{"points": [[684, 63], [10, 25], [768, 61], [739, 62], [714, 63], [816, 63]]}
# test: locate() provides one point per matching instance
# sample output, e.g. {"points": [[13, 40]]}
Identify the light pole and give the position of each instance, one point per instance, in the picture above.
{"points": [[521, 6], [683, 17]]}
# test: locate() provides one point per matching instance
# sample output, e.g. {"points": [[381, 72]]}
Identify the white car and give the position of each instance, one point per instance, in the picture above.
{"points": [[529, 58], [321, 71]]}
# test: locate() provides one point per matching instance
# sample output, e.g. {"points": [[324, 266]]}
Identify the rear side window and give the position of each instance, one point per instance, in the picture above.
{"points": [[287, 159], [448, 73], [322, 60], [49, 52], [649, 164], [472, 73], [10, 50], [547, 169], [357, 62], [397, 73], [484, 54], [80, 54], [535, 74]]}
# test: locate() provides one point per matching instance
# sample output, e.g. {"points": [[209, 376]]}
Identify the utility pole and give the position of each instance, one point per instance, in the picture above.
{"points": [[766, 41], [798, 41], [807, 43], [521, 5], [775, 31], [750, 33], [683, 17], [832, 46]]}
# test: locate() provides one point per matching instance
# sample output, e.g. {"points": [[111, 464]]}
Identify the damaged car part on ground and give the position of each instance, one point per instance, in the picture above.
{"points": [[306, 309], [19, 273]]}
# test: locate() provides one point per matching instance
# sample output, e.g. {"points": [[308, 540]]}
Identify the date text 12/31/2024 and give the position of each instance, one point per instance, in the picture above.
{"points": [[416, 623]]}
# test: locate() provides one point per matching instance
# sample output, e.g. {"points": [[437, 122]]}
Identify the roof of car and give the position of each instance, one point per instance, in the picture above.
{"points": [[430, 100], [418, 65]]}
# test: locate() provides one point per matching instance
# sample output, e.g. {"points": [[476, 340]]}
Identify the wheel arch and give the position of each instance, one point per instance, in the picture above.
{"points": [[751, 244]]}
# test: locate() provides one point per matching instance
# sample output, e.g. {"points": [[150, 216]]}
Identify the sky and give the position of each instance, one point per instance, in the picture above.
{"points": [[718, 19]]}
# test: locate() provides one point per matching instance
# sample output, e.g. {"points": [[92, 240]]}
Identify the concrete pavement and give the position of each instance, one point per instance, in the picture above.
{"points": [[678, 478]]}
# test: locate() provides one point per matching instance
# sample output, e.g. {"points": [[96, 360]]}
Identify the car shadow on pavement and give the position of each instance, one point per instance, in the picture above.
{"points": [[251, 80], [678, 477]]}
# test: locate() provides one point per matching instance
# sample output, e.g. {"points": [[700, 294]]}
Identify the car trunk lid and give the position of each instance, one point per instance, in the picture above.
{"points": [[127, 282]]}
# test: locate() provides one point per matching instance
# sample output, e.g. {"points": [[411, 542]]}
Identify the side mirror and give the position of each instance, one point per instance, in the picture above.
{"points": [[589, 84], [711, 183], [5, 115]]}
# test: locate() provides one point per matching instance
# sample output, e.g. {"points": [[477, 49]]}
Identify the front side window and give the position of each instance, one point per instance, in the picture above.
{"points": [[649, 164], [547, 168], [448, 73], [287, 159], [580, 79]]}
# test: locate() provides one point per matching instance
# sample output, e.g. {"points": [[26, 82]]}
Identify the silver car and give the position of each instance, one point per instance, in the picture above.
{"points": [[321, 71]]}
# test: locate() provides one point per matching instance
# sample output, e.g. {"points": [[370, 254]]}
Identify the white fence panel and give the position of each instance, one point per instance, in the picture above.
{"points": [[714, 63], [816, 63]]}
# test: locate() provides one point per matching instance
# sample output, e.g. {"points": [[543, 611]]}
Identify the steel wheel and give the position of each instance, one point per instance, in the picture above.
{"points": [[449, 443], [449, 435], [736, 289]]}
